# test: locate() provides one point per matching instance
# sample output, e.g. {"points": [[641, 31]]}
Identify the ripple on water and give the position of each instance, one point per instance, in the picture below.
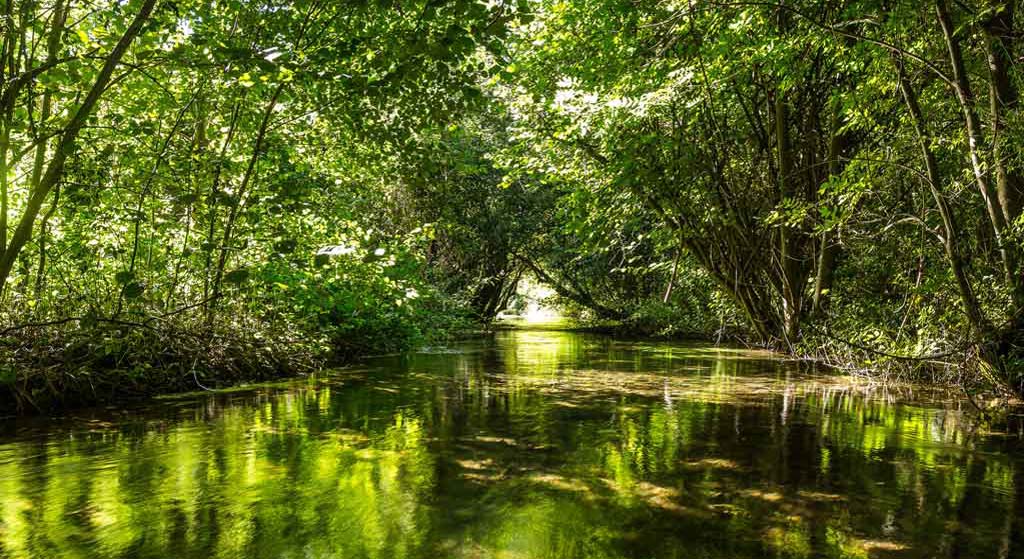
{"points": [[532, 444]]}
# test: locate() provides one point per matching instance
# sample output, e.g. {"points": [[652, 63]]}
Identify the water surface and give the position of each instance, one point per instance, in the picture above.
{"points": [[533, 444]]}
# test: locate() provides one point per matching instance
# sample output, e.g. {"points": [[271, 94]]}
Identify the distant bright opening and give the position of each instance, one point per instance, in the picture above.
{"points": [[531, 304]]}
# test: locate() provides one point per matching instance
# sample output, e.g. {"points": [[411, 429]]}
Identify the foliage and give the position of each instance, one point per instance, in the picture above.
{"points": [[367, 177], [197, 159], [833, 170]]}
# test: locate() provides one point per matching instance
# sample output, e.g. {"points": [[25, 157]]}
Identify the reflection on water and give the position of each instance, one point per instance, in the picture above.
{"points": [[535, 444]]}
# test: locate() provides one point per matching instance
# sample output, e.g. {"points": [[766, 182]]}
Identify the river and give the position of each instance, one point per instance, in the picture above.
{"points": [[530, 444]]}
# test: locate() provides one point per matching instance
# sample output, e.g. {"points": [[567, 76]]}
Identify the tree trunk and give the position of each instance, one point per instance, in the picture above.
{"points": [[66, 143], [829, 246], [1003, 98], [7, 61], [751, 299], [965, 97], [789, 260], [250, 169], [52, 51], [218, 170], [950, 230], [671, 279]]}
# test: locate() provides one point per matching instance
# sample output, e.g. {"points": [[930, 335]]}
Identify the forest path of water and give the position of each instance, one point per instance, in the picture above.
{"points": [[531, 444]]}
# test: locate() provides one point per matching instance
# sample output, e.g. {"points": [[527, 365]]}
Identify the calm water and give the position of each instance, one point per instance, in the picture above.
{"points": [[534, 444]]}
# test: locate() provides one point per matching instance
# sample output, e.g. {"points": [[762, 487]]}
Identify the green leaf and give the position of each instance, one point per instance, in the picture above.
{"points": [[285, 246], [237, 276], [8, 375], [133, 290]]}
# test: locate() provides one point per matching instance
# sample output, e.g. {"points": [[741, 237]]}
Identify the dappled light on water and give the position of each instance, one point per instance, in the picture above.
{"points": [[534, 444]]}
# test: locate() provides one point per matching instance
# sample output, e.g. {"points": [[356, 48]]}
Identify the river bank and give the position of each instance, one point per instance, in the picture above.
{"points": [[122, 362]]}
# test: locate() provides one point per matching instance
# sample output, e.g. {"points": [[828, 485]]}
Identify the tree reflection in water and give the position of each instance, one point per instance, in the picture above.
{"points": [[535, 444]]}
